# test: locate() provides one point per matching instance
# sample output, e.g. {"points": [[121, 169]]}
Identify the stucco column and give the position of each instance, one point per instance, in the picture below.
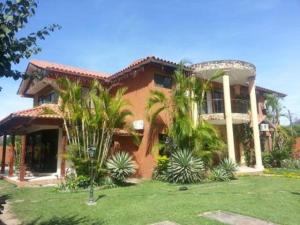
{"points": [[228, 118], [195, 112], [209, 102], [22, 161], [254, 119], [3, 154]]}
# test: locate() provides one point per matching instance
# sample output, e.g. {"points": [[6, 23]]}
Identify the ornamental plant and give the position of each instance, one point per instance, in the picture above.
{"points": [[184, 168], [121, 166]]}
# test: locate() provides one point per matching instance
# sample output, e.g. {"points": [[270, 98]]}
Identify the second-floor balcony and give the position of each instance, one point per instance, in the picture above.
{"points": [[213, 111], [217, 106]]}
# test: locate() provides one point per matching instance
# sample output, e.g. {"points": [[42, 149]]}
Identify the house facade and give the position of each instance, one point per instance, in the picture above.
{"points": [[233, 101]]}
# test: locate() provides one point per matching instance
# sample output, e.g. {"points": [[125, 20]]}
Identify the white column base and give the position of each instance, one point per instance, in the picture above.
{"points": [[259, 168]]}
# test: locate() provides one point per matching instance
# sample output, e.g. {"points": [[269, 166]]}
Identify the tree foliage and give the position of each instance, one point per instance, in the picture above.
{"points": [[282, 138], [14, 15], [184, 132], [91, 116], [274, 108]]}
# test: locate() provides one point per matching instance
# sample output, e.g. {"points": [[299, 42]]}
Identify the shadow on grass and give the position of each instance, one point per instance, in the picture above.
{"points": [[66, 220], [99, 197], [3, 201], [295, 193]]}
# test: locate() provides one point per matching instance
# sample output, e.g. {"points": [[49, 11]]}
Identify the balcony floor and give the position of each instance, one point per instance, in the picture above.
{"points": [[219, 118]]}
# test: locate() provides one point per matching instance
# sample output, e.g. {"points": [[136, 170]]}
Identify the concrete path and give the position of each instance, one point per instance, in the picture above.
{"points": [[165, 223], [234, 219]]}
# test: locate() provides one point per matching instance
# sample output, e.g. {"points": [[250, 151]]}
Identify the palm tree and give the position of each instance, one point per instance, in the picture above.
{"points": [[91, 116], [274, 112], [185, 132], [274, 108]]}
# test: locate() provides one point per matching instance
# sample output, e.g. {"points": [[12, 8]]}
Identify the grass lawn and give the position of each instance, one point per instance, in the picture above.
{"points": [[276, 199], [283, 172]]}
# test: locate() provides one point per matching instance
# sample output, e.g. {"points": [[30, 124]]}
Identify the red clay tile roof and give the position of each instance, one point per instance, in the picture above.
{"points": [[140, 62], [49, 111], [135, 64], [67, 69]]}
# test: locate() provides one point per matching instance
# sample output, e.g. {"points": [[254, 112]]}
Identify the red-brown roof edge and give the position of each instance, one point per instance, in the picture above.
{"points": [[282, 95], [143, 61]]}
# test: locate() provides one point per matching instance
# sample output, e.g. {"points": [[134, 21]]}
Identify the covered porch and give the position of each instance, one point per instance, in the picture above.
{"points": [[37, 145]]}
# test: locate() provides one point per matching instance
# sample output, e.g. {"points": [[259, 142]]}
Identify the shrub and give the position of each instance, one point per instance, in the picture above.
{"points": [[121, 166], [291, 163], [229, 166], [275, 157], [107, 182], [73, 182], [82, 181], [161, 170], [219, 174], [278, 155], [267, 159], [224, 171], [185, 168]]}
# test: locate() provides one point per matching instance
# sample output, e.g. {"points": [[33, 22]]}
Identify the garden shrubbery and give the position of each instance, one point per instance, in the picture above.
{"points": [[291, 164], [184, 168], [281, 154], [161, 170], [119, 167], [73, 182]]}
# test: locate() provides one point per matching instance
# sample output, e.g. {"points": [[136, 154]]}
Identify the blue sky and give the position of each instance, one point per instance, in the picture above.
{"points": [[107, 35]]}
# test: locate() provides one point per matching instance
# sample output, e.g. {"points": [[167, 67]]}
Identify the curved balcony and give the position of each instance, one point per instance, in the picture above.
{"points": [[238, 71], [213, 111]]}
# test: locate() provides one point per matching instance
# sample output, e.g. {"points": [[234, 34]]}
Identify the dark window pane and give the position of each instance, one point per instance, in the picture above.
{"points": [[163, 81], [52, 97]]}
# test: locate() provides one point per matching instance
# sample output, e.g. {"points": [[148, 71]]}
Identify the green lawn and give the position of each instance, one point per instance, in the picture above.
{"points": [[295, 173], [276, 199]]}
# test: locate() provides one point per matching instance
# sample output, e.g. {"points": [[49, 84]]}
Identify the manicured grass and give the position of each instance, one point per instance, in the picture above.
{"points": [[276, 199], [293, 173]]}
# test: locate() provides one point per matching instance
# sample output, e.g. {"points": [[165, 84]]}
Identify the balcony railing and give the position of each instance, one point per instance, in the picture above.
{"points": [[217, 106]]}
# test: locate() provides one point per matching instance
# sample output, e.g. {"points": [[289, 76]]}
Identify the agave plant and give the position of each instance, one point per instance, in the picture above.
{"points": [[185, 168], [219, 174], [229, 166], [121, 166]]}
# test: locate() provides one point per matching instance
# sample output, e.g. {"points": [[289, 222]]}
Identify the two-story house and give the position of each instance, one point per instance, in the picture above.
{"points": [[233, 100]]}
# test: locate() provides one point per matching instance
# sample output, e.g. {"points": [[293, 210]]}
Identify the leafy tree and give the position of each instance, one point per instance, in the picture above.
{"points": [[14, 16]]}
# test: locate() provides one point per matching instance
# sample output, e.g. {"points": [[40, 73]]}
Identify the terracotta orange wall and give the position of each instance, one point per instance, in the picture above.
{"points": [[297, 148], [137, 94]]}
